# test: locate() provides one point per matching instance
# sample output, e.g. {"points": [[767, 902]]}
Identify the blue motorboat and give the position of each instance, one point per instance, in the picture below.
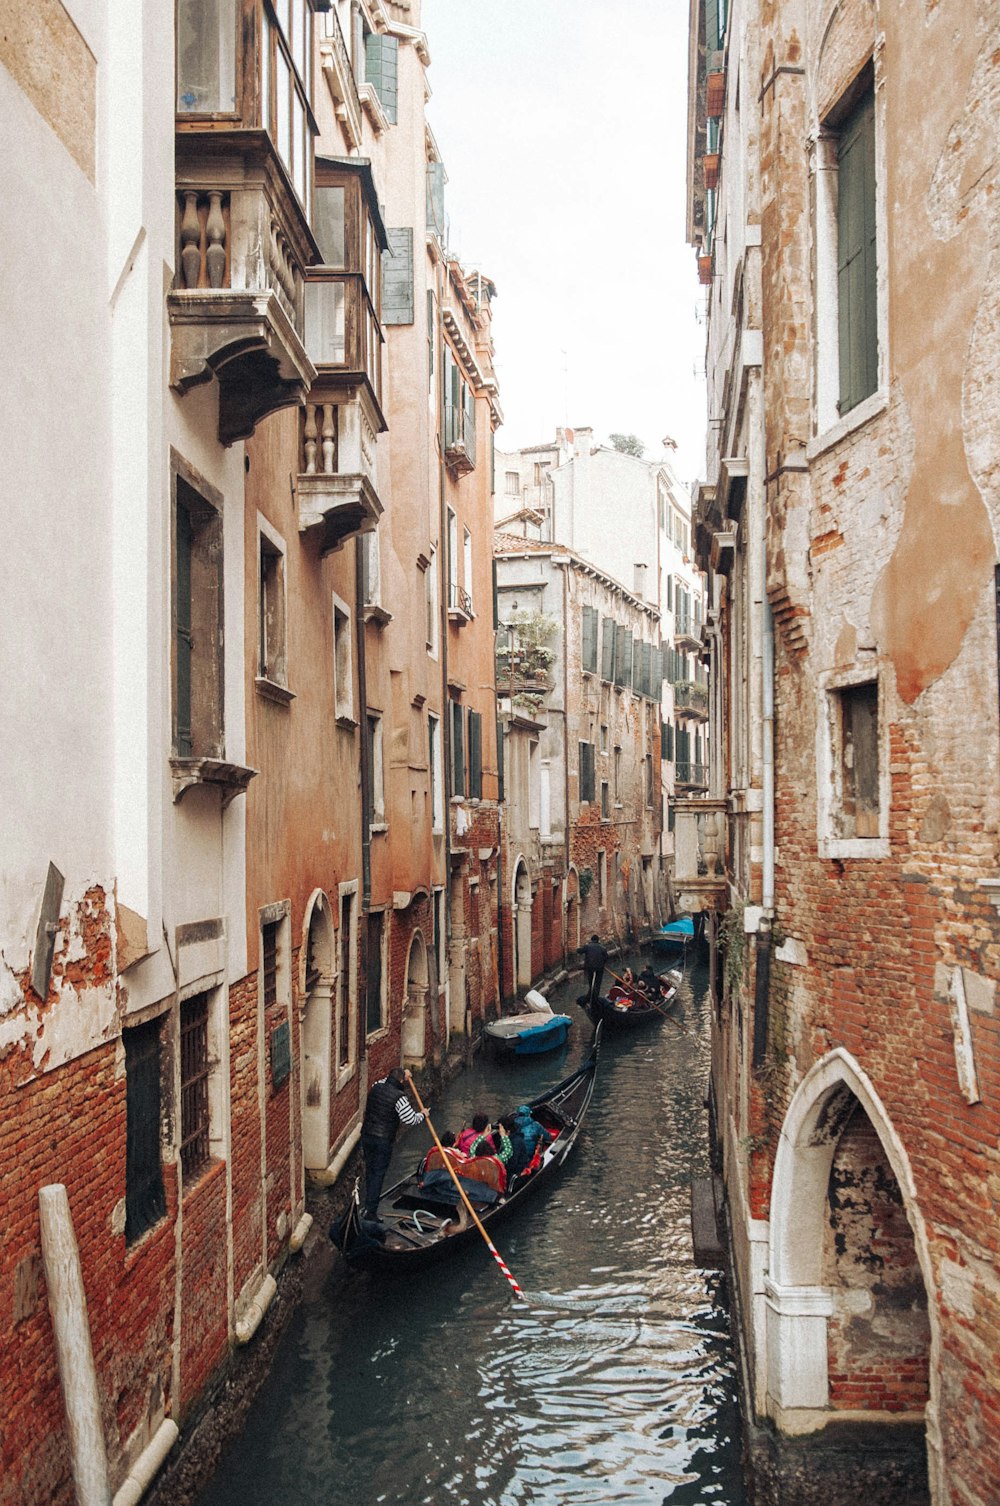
{"points": [[675, 937], [529, 1033]]}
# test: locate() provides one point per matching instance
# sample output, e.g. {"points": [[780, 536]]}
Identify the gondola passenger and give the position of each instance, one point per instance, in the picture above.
{"points": [[525, 1133], [480, 1123]]}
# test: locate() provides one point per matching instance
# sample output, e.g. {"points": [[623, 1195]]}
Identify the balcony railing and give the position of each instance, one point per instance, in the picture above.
{"points": [[237, 307], [459, 601], [686, 629], [691, 698], [692, 775], [336, 485], [460, 439]]}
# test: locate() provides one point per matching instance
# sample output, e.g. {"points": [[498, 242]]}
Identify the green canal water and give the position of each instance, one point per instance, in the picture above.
{"points": [[613, 1382]]}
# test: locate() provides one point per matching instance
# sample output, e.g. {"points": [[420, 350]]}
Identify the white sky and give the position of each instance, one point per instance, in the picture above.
{"points": [[562, 125]]}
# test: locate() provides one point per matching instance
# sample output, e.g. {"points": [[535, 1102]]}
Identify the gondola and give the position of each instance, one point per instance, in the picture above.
{"points": [[534, 1030], [619, 1015], [417, 1226]]}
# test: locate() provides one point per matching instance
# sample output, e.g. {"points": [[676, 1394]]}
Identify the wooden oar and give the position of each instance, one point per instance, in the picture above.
{"points": [[462, 1194], [633, 988]]}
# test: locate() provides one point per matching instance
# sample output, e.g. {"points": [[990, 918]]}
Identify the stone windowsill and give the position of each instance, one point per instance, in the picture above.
{"points": [[271, 690], [861, 414]]}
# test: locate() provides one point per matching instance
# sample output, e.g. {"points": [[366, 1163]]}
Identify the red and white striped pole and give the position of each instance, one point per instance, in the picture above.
{"points": [[462, 1194]]}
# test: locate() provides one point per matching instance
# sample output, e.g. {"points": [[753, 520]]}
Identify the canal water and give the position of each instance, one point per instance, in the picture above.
{"points": [[613, 1382]]}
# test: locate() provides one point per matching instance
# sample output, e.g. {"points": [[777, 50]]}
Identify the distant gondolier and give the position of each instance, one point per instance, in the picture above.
{"points": [[386, 1108], [594, 962]]}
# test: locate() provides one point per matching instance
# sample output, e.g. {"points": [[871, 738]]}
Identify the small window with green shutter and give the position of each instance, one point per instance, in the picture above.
{"points": [[608, 650], [435, 199], [587, 787], [197, 613], [475, 755], [382, 71], [857, 304], [458, 748], [591, 620]]}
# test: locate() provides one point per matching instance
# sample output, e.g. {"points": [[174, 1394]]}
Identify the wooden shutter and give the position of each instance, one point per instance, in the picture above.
{"points": [[608, 650], [856, 266], [712, 25], [435, 198], [589, 647], [586, 771], [457, 748], [382, 70], [182, 614], [475, 756], [397, 277], [501, 749]]}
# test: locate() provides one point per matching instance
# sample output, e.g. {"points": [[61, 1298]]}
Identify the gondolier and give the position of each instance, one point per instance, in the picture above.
{"points": [[594, 962], [386, 1108]]}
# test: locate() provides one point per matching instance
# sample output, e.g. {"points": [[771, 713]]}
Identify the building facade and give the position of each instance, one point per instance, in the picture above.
{"points": [[254, 861], [847, 237], [578, 666]]}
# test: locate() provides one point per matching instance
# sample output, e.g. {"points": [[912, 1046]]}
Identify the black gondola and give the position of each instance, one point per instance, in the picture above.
{"points": [[639, 1010], [417, 1225]]}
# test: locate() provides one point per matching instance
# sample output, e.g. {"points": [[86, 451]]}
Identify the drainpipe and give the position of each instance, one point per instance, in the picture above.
{"points": [[366, 795], [767, 648], [444, 564], [74, 1354]]}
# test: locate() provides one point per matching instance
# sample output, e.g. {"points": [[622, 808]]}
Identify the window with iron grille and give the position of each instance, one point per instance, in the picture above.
{"points": [[145, 1201], [269, 962], [374, 979], [344, 984], [195, 1152]]}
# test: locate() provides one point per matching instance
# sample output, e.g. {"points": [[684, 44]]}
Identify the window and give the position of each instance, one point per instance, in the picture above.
{"points": [[667, 741], [329, 225], [434, 761], [602, 877], [467, 566], [459, 414], [857, 314], [457, 748], [512, 484], [608, 650], [605, 801], [286, 72], [435, 199], [475, 755], [197, 659], [430, 345], [371, 568], [534, 786], [274, 986], [145, 1201], [623, 657], [452, 558], [343, 675], [206, 57], [346, 951], [431, 598], [374, 1013], [618, 776], [649, 779], [397, 277], [604, 737], [376, 769], [382, 71], [195, 1145], [856, 764], [343, 295], [271, 660], [586, 772], [588, 652]]}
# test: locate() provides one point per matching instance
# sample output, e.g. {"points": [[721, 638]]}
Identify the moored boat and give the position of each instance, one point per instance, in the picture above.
{"points": [[677, 936], [420, 1223], [534, 1030]]}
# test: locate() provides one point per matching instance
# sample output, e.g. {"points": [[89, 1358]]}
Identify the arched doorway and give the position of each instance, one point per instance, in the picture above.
{"points": [[849, 1327], [317, 1031], [522, 926], [415, 1002]]}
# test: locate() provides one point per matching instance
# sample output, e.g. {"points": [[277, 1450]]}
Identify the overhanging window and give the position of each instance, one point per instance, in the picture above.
{"points": [[206, 57]]}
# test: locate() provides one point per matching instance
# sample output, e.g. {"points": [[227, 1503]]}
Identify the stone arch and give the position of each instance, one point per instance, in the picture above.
{"points": [[317, 991], [799, 1298], [520, 909], [415, 1001]]}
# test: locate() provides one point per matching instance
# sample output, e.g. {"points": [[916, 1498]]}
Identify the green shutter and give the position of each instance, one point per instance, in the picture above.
{"points": [[182, 704], [382, 70], [435, 199], [457, 748], [500, 761], [712, 26], [397, 277], [608, 650], [475, 756], [586, 771], [589, 646], [856, 256]]}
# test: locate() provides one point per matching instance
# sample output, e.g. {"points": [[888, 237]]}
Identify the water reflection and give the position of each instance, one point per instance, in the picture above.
{"points": [[612, 1382]]}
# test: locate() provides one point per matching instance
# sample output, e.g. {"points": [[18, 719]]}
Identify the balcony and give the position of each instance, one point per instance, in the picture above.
{"points": [[459, 604], [460, 439], [687, 632], [699, 870], [691, 700], [336, 485], [237, 307], [691, 776]]}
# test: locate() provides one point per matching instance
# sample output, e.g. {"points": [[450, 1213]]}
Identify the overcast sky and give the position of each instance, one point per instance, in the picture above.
{"points": [[562, 127]]}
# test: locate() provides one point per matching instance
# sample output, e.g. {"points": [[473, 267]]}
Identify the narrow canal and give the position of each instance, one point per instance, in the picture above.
{"points": [[614, 1382]]}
